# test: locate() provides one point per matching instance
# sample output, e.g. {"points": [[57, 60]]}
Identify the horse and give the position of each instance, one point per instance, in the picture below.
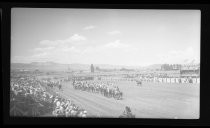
{"points": [[60, 87], [118, 95], [139, 83]]}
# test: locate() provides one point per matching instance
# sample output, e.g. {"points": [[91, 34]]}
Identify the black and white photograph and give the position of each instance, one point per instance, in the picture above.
{"points": [[105, 63]]}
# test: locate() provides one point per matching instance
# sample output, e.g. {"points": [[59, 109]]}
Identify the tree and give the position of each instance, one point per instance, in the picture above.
{"points": [[92, 68], [97, 68]]}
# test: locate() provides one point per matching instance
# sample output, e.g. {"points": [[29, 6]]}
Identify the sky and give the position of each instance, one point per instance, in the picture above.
{"points": [[131, 37]]}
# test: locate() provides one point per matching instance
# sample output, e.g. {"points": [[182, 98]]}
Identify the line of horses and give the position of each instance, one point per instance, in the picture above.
{"points": [[100, 88], [52, 84]]}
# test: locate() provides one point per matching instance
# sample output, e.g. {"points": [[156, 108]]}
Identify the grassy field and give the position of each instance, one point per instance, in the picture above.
{"points": [[152, 100]]}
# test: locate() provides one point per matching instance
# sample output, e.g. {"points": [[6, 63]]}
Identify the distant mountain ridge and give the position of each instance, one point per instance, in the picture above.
{"points": [[49, 66], [73, 66]]}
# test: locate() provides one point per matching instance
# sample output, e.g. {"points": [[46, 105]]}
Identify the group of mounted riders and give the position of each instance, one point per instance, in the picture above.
{"points": [[105, 89], [52, 84]]}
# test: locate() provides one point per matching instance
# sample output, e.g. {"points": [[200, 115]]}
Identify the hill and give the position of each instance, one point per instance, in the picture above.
{"points": [[52, 66]]}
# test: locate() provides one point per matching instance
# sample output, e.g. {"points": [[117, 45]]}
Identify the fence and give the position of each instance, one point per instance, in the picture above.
{"points": [[157, 80]]}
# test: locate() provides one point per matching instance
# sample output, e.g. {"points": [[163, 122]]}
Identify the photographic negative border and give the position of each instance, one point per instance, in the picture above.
{"points": [[204, 89]]}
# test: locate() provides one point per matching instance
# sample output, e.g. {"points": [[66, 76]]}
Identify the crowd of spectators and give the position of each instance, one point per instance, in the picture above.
{"points": [[29, 97]]}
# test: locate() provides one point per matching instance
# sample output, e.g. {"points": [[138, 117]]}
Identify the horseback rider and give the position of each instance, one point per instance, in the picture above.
{"points": [[74, 82], [60, 86]]}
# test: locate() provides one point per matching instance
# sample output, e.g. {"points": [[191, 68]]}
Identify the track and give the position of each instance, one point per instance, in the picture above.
{"points": [[95, 104], [151, 101]]}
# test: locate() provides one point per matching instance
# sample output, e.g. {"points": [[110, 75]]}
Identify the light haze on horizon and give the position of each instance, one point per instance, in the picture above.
{"points": [[131, 37]]}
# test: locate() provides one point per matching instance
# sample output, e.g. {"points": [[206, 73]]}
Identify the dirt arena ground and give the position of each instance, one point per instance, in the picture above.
{"points": [[152, 100]]}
